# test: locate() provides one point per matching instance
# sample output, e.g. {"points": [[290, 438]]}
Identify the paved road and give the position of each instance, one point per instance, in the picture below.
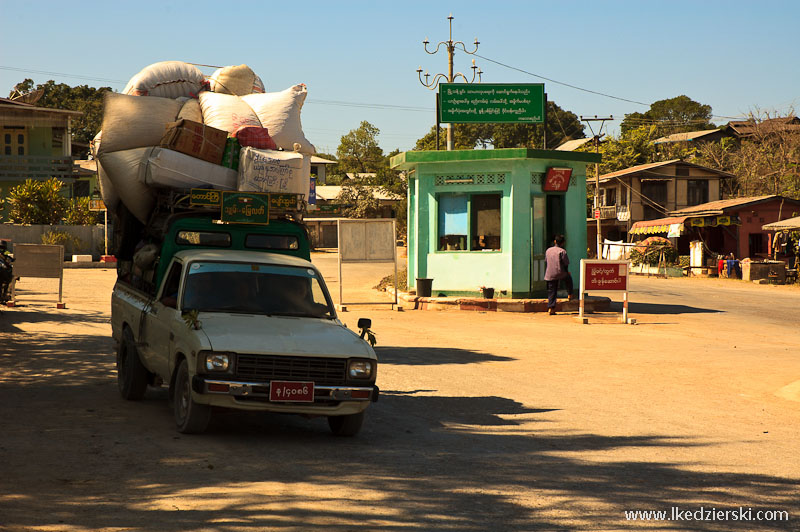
{"points": [[487, 421]]}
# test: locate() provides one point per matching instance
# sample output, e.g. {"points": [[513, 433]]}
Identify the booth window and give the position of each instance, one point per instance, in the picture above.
{"points": [[453, 222], [469, 222], [485, 222]]}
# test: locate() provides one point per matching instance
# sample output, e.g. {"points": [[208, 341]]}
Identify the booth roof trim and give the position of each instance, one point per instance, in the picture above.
{"points": [[406, 160]]}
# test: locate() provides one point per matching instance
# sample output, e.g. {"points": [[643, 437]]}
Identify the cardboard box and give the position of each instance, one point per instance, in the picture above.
{"points": [[195, 139]]}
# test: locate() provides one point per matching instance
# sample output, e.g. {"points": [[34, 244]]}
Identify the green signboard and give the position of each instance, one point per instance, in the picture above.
{"points": [[283, 202], [204, 196], [245, 207], [491, 103]]}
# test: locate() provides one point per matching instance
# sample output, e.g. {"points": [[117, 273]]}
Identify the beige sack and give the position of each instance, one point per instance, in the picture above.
{"points": [[226, 112], [274, 171], [167, 79], [124, 169], [239, 80], [135, 121], [191, 111], [279, 112]]}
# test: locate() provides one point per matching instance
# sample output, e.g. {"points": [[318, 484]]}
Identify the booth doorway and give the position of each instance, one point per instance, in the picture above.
{"points": [[554, 218]]}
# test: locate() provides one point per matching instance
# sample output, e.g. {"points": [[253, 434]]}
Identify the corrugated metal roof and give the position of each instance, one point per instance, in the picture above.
{"points": [[789, 224], [331, 192], [717, 207], [685, 137], [571, 145], [650, 166]]}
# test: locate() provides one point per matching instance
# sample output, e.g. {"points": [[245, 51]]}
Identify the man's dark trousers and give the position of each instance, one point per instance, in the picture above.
{"points": [[552, 289]]}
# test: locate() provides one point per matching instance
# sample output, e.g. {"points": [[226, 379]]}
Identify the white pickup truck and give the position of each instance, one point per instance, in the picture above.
{"points": [[248, 330]]}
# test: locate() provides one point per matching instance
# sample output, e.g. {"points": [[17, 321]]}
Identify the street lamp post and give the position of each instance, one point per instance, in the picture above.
{"points": [[451, 76]]}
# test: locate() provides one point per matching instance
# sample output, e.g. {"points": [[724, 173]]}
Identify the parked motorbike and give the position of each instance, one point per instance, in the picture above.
{"points": [[6, 273]]}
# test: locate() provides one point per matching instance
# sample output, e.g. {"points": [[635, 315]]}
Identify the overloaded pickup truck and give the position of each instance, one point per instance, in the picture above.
{"points": [[236, 316]]}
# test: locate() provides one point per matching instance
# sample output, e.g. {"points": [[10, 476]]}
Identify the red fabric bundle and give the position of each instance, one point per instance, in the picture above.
{"points": [[255, 137]]}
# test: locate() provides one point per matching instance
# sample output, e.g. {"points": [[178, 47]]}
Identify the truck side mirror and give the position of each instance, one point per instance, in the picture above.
{"points": [[364, 323]]}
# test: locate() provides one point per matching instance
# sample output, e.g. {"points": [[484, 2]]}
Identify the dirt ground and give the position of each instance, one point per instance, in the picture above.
{"points": [[487, 421]]}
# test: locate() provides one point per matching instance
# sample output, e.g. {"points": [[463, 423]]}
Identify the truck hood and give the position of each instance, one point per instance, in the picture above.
{"points": [[249, 333]]}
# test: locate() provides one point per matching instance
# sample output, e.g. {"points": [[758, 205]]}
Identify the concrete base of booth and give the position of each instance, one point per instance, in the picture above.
{"points": [[592, 304]]}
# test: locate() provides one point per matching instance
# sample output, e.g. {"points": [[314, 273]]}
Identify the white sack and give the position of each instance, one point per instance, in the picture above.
{"points": [[274, 171], [226, 112], [167, 79], [135, 121], [168, 168], [279, 112], [238, 80], [107, 190], [123, 169], [191, 111]]}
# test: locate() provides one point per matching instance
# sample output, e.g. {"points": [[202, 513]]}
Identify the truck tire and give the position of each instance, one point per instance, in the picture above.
{"points": [[190, 417], [346, 425], [131, 374]]}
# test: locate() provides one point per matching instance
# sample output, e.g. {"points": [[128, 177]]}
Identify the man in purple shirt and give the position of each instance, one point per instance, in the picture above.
{"points": [[556, 269]]}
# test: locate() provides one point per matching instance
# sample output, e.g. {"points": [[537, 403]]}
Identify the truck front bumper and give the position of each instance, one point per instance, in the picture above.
{"points": [[259, 391]]}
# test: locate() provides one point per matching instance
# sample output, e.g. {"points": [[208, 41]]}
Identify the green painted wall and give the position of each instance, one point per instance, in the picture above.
{"points": [[515, 174]]}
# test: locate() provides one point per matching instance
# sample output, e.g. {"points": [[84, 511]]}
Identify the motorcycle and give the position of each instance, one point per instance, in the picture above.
{"points": [[6, 273]]}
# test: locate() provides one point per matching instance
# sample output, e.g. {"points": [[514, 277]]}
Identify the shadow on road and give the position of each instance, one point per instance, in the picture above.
{"points": [[76, 456], [427, 356], [661, 308]]}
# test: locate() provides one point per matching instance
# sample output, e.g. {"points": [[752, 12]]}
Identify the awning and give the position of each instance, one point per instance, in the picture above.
{"points": [[659, 225], [790, 224]]}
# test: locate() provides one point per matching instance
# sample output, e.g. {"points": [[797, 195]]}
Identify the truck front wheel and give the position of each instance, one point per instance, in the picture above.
{"points": [[346, 425], [131, 374], [190, 417]]}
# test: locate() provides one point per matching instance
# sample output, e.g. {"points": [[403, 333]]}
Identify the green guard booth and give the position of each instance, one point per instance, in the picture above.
{"points": [[483, 218]]}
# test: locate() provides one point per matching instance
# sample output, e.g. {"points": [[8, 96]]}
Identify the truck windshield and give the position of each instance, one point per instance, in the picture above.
{"points": [[255, 289]]}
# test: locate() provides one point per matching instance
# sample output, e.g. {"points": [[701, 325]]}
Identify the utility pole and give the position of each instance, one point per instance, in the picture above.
{"points": [[450, 77], [596, 137]]}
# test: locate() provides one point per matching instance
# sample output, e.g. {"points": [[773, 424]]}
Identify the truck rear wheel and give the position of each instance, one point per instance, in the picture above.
{"points": [[131, 374], [190, 417], [346, 425]]}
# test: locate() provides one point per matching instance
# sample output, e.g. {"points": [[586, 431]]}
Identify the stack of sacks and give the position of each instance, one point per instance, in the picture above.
{"points": [[131, 163]]}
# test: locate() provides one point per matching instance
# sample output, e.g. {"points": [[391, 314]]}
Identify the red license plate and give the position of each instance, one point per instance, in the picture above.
{"points": [[291, 391]]}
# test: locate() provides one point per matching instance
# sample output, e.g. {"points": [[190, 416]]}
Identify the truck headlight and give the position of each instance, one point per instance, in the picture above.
{"points": [[360, 369], [217, 361]]}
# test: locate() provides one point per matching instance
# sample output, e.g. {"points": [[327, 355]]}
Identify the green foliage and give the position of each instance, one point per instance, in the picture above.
{"points": [[78, 213], [359, 152], [388, 281], [61, 238], [359, 200], [649, 251], [37, 202], [83, 98], [673, 115], [561, 126]]}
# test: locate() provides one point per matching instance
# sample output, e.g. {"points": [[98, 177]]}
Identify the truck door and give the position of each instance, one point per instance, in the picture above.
{"points": [[160, 319]]}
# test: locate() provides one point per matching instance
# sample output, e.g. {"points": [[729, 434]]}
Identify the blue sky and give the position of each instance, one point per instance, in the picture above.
{"points": [[359, 59]]}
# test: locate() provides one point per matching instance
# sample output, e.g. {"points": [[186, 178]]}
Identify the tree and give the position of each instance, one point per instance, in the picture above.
{"points": [[561, 126], [766, 162], [83, 98], [358, 150], [359, 201], [674, 115], [37, 202]]}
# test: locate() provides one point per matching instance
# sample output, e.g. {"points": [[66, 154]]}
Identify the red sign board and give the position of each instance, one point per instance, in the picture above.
{"points": [[605, 276], [557, 179], [291, 391], [597, 213]]}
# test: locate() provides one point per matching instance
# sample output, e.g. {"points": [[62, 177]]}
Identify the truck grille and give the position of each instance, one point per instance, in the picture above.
{"points": [[323, 371]]}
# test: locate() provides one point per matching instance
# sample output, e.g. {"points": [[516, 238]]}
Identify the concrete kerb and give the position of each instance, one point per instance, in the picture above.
{"points": [[592, 303]]}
